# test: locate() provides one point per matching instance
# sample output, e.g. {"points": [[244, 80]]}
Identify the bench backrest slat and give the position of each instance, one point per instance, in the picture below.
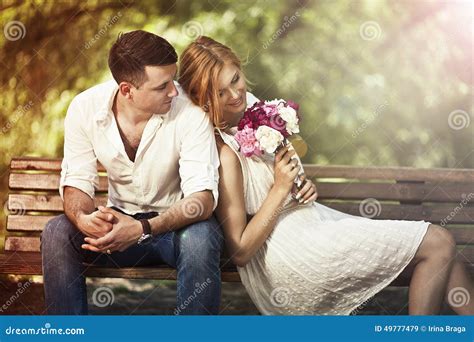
{"points": [[390, 173], [40, 164]]}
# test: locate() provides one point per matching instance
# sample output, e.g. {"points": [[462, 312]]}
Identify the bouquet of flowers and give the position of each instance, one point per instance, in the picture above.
{"points": [[265, 126]]}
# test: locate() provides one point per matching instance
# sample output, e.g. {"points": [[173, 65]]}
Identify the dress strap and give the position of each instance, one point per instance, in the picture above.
{"points": [[229, 140]]}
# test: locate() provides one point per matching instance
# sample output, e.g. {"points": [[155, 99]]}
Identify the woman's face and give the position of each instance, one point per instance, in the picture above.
{"points": [[232, 94]]}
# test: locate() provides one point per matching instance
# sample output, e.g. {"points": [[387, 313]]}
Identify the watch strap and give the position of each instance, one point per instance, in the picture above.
{"points": [[146, 226]]}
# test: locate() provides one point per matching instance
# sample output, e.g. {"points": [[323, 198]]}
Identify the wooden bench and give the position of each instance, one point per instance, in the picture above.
{"points": [[441, 196]]}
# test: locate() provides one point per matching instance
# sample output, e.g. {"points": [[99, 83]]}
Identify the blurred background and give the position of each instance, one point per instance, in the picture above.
{"points": [[379, 82]]}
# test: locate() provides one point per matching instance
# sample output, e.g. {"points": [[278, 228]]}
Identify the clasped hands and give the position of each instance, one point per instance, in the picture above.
{"points": [[108, 230]]}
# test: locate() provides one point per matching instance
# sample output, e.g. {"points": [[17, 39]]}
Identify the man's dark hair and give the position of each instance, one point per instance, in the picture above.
{"points": [[136, 49]]}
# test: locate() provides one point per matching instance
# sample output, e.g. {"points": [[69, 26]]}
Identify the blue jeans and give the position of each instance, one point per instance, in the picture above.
{"points": [[194, 251]]}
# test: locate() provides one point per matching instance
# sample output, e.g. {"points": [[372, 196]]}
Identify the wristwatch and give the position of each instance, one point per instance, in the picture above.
{"points": [[146, 235]]}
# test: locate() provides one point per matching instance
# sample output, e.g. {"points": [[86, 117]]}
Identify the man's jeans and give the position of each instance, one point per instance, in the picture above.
{"points": [[194, 251]]}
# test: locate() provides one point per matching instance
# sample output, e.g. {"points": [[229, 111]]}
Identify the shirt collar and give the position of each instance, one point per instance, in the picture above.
{"points": [[104, 114]]}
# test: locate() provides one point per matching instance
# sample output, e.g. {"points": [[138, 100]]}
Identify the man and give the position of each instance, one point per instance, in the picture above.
{"points": [[161, 160]]}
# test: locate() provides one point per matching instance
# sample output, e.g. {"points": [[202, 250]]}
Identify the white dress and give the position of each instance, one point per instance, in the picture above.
{"points": [[317, 260]]}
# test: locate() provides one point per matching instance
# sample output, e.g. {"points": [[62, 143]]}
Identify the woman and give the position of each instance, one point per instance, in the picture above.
{"points": [[301, 257]]}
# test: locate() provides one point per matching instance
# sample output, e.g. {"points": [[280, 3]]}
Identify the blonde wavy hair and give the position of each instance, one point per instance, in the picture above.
{"points": [[199, 68]]}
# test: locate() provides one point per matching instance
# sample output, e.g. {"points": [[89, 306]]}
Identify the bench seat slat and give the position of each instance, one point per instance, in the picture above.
{"points": [[43, 181], [29, 263], [22, 243]]}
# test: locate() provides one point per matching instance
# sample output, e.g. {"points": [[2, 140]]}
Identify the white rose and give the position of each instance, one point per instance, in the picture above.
{"points": [[289, 115], [268, 138]]}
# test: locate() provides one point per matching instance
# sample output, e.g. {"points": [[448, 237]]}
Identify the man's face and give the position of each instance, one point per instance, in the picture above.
{"points": [[157, 92]]}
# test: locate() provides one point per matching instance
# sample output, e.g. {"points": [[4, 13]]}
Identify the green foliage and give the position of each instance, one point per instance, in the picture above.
{"points": [[376, 80]]}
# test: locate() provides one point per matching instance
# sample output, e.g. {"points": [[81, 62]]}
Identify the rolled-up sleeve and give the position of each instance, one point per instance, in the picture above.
{"points": [[79, 165], [198, 160]]}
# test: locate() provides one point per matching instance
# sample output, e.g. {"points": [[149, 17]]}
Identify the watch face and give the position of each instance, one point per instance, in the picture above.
{"points": [[145, 239]]}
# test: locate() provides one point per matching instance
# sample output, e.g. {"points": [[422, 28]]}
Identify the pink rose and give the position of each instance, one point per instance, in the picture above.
{"points": [[270, 110], [247, 141]]}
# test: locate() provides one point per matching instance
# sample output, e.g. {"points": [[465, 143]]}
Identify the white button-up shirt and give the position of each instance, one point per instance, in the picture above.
{"points": [[177, 155]]}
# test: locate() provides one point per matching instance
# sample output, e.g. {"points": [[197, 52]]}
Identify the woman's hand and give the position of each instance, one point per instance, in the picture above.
{"points": [[308, 192], [286, 170]]}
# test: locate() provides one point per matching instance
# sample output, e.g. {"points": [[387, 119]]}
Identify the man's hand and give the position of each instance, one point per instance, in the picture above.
{"points": [[96, 224], [80, 210], [125, 232]]}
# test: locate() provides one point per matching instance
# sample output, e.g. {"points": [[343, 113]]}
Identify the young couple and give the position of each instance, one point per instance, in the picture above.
{"points": [[171, 160]]}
